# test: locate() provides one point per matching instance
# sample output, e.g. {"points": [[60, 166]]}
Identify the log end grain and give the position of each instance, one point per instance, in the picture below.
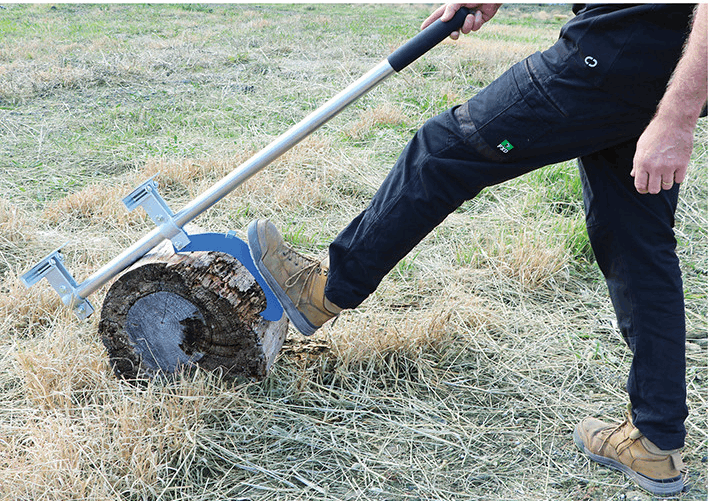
{"points": [[175, 311]]}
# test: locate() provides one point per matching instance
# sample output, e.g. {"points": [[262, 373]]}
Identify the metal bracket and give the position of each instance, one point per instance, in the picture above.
{"points": [[52, 268], [147, 196]]}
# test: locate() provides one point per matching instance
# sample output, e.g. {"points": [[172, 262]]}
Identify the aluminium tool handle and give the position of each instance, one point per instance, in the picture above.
{"points": [[426, 40]]}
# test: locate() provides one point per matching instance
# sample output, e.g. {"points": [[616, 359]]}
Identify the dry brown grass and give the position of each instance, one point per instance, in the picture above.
{"points": [[461, 378], [95, 204], [384, 115], [15, 224], [527, 257], [20, 80], [24, 311]]}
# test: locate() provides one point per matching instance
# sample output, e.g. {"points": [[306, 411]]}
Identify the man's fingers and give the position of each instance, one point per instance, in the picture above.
{"points": [[449, 11], [654, 184], [480, 13], [679, 175], [446, 13], [468, 24], [438, 13], [641, 182], [478, 21]]}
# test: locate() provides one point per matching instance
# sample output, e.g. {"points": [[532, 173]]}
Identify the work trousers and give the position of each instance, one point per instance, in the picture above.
{"points": [[551, 107]]}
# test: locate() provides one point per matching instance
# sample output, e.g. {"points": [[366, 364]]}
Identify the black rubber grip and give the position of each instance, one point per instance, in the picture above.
{"points": [[425, 40]]}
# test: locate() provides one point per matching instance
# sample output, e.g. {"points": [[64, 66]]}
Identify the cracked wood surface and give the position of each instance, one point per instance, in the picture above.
{"points": [[200, 308]]}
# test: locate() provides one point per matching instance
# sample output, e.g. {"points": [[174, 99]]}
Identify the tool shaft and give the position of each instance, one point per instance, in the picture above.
{"points": [[285, 142], [275, 149]]}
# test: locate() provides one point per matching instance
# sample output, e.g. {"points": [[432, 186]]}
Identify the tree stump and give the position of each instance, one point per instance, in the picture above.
{"points": [[170, 311]]}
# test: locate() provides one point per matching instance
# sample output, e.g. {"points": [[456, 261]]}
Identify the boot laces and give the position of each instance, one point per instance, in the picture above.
{"points": [[309, 269], [291, 255]]}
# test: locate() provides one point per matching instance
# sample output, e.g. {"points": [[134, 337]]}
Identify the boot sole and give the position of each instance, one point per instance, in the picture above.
{"points": [[300, 322], [665, 487]]}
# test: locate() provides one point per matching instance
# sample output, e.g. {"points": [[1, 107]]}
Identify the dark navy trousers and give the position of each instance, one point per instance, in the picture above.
{"points": [[575, 100]]}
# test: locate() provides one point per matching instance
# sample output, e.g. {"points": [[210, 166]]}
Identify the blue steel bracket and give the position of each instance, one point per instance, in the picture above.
{"points": [[230, 244], [147, 196], [52, 268]]}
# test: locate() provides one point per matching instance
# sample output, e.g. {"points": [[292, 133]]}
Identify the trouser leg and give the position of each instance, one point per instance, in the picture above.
{"points": [[511, 127], [432, 177], [634, 244]]}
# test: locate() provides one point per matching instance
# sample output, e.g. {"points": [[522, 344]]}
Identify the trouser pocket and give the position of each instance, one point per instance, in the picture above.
{"points": [[500, 122]]}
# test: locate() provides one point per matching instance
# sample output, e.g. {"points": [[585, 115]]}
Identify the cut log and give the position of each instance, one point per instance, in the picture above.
{"points": [[170, 311]]}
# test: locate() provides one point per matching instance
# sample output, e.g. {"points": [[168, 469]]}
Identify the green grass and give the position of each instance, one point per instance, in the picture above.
{"points": [[461, 378]]}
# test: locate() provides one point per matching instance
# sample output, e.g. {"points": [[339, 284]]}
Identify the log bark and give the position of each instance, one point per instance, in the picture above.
{"points": [[171, 311]]}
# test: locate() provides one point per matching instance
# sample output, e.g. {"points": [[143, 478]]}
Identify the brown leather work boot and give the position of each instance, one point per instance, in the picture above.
{"points": [[297, 281], [624, 448]]}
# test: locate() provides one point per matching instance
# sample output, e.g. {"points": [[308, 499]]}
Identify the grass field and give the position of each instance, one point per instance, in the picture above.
{"points": [[460, 379]]}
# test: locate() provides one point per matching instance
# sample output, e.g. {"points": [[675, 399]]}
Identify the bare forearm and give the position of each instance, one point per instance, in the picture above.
{"points": [[688, 90]]}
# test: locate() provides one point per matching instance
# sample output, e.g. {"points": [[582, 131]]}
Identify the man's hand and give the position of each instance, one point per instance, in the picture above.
{"points": [[662, 156], [480, 13], [663, 150]]}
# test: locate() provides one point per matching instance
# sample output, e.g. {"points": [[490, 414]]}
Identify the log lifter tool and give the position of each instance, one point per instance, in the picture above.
{"points": [[169, 224]]}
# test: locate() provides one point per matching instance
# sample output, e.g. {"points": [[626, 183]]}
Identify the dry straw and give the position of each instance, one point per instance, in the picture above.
{"points": [[461, 378]]}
